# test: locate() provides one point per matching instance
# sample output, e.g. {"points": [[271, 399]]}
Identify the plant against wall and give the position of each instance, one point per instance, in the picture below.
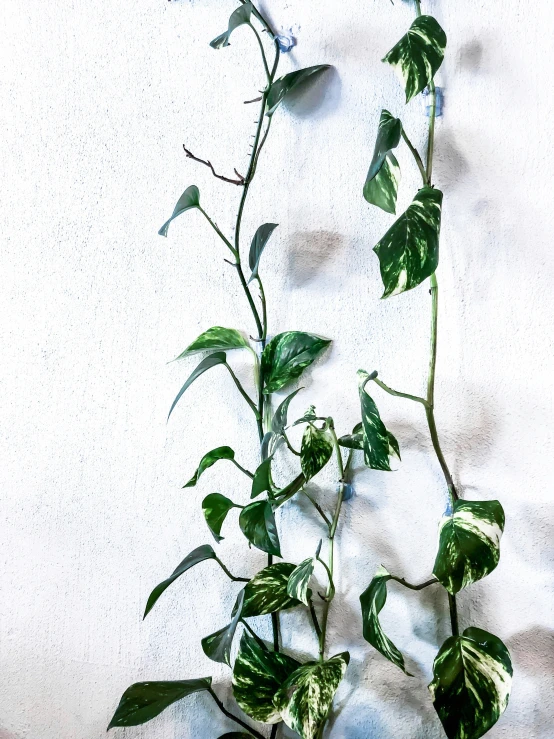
{"points": [[269, 684], [472, 671]]}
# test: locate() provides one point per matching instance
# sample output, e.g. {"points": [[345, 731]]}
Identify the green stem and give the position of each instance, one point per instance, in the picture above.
{"points": [[264, 59], [431, 139], [398, 394], [243, 469], [313, 614], [229, 575], [418, 7], [318, 508], [416, 156], [253, 633], [453, 614], [243, 392], [264, 309], [234, 718], [218, 232], [425, 584]]}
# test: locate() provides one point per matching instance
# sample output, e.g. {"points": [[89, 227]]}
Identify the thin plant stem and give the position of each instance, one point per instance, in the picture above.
{"points": [[234, 718], [416, 156], [453, 614], [253, 633], [318, 508], [243, 469], [398, 394], [229, 575], [313, 614], [425, 584], [243, 392], [264, 58], [218, 232], [431, 140]]}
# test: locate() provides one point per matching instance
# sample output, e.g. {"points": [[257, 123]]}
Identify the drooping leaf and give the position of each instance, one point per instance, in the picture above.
{"points": [[316, 450], [257, 675], [472, 678], [287, 355], [308, 417], [144, 701], [281, 87], [469, 543], [304, 699], [238, 18], [394, 448], [257, 523], [355, 440], [372, 601], [216, 338], [267, 591], [195, 557], [188, 200], [216, 507], [217, 646], [383, 177], [409, 251], [209, 459], [418, 55], [289, 491], [261, 237], [376, 440], [262, 478], [212, 361], [299, 579], [279, 421]]}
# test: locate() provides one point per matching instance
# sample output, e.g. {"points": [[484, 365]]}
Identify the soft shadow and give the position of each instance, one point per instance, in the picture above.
{"points": [[470, 56], [309, 253], [318, 94]]}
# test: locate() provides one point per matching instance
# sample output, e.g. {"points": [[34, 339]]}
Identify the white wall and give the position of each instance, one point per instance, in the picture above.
{"points": [[98, 98]]}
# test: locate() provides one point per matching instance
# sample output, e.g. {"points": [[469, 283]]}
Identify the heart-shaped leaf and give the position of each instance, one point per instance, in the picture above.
{"points": [[216, 507], [257, 675], [217, 646], [197, 555], [279, 421], [372, 601], [304, 699], [418, 55], [469, 543], [267, 591], [299, 579], [472, 678], [257, 523], [378, 443], [216, 338], [209, 459], [287, 355], [261, 237], [238, 18], [409, 251], [144, 701], [283, 86], [188, 200], [316, 450], [383, 177], [212, 361]]}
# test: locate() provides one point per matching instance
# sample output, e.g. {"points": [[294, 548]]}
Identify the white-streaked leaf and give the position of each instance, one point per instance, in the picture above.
{"points": [[216, 338], [188, 200], [267, 591], [287, 355], [297, 586], [316, 450], [378, 443], [279, 421], [383, 177]]}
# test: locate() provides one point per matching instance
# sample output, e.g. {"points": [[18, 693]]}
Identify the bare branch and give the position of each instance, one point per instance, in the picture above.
{"points": [[239, 181]]}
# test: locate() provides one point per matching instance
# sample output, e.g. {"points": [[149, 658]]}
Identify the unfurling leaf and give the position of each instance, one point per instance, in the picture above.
{"points": [[308, 417], [257, 523], [262, 478], [287, 355], [316, 450], [257, 675], [261, 237], [372, 601], [209, 459], [216, 338], [472, 678], [409, 251], [381, 184], [144, 701], [299, 579], [212, 361], [281, 87], [304, 699], [279, 421], [378, 443], [267, 591], [197, 555], [238, 18], [216, 507], [189, 199], [469, 543], [217, 646], [418, 55]]}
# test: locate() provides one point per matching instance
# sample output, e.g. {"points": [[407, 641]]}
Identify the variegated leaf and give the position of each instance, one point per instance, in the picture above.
{"points": [[257, 523], [215, 508], [377, 444], [287, 355], [304, 699], [238, 17], [309, 416], [279, 421], [217, 646], [469, 543], [297, 586], [289, 491], [316, 450], [209, 459], [188, 200], [418, 55], [257, 675], [383, 177], [216, 338], [267, 591], [372, 601], [409, 251], [472, 678]]}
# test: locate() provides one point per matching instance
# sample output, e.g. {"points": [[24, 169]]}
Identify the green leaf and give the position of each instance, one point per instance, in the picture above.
{"points": [[469, 543], [372, 601], [261, 237], [257, 523], [394, 448], [144, 701], [472, 678], [188, 200], [409, 251], [197, 555], [287, 355], [355, 440], [262, 478], [281, 87], [299, 579], [257, 675], [212, 361], [238, 18], [376, 438], [217, 646], [383, 177], [216, 338], [216, 507], [308, 417], [289, 491], [209, 459], [418, 55], [279, 421], [267, 591], [316, 450], [304, 699]]}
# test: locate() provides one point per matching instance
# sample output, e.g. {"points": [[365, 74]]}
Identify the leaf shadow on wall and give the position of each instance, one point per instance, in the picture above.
{"points": [[309, 253], [319, 95]]}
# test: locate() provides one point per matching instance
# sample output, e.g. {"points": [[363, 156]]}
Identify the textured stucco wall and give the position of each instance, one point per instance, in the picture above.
{"points": [[97, 98]]}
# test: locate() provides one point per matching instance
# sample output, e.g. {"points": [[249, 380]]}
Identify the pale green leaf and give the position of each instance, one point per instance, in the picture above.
{"points": [[284, 85], [238, 18], [267, 591], [209, 459], [217, 646], [216, 507], [257, 523], [216, 338], [383, 177], [261, 237], [287, 355], [188, 200], [316, 450], [299, 579]]}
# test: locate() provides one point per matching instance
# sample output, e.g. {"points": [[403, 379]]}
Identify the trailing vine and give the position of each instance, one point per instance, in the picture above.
{"points": [[269, 684], [472, 671]]}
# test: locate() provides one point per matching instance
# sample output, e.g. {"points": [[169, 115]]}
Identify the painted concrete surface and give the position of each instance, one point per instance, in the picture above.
{"points": [[97, 99]]}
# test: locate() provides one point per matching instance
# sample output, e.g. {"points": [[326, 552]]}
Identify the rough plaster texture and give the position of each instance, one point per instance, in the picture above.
{"points": [[97, 98]]}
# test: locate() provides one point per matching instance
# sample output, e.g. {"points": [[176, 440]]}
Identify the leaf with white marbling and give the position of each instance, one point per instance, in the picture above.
{"points": [[216, 338], [267, 591], [217, 646], [378, 443], [383, 177], [316, 450]]}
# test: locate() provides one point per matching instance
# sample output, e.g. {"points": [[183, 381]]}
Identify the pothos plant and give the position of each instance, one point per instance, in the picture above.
{"points": [[269, 684], [472, 671]]}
